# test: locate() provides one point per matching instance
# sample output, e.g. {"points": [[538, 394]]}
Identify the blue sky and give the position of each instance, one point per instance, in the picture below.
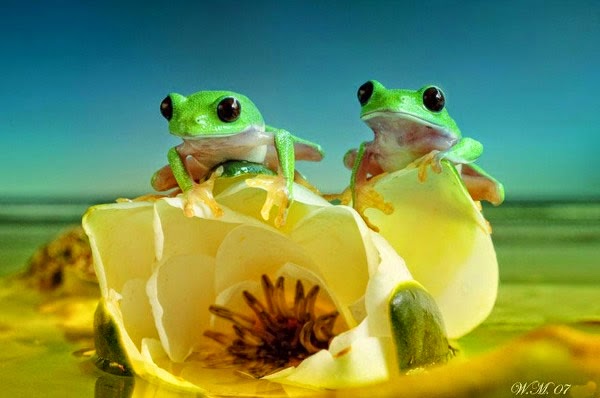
{"points": [[81, 84]]}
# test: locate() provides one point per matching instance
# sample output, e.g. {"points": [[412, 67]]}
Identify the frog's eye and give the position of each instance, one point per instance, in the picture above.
{"points": [[433, 99], [166, 108], [365, 92], [229, 109]]}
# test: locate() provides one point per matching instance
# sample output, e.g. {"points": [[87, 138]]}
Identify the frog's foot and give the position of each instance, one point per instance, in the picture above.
{"points": [[277, 195], [366, 197], [482, 186], [203, 193], [343, 198], [432, 159]]}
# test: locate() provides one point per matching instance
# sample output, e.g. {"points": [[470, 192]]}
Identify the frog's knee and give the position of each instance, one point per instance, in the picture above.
{"points": [[350, 158]]}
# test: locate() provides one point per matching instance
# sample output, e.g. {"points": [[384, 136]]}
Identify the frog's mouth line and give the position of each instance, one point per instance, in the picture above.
{"points": [[202, 136], [387, 117]]}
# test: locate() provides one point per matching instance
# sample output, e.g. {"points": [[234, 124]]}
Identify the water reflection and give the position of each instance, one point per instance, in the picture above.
{"points": [[110, 386]]}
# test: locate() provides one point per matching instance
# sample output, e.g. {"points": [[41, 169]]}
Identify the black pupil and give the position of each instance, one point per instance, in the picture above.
{"points": [[229, 109], [166, 108], [433, 99], [364, 93]]}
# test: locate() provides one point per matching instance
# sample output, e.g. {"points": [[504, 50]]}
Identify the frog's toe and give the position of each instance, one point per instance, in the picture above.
{"points": [[432, 159], [277, 195], [367, 197], [202, 193], [436, 163]]}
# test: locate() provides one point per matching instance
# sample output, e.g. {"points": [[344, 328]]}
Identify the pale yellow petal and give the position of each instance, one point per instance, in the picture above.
{"points": [[333, 238], [191, 235], [390, 272], [122, 241], [443, 238], [247, 252], [249, 201], [366, 361], [226, 382], [180, 291], [156, 367], [136, 311]]}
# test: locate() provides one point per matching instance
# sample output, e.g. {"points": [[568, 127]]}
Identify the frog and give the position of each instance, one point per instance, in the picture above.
{"points": [[221, 126], [412, 129]]}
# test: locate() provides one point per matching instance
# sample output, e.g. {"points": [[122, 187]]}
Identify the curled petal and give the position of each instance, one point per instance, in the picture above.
{"points": [[180, 292], [137, 312], [117, 257], [340, 246], [444, 239], [248, 251], [389, 274]]}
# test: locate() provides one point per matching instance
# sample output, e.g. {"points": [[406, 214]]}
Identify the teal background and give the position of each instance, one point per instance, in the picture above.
{"points": [[81, 84]]}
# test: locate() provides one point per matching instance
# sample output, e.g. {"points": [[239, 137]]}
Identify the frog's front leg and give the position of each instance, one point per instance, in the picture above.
{"points": [[193, 192], [466, 150], [279, 187]]}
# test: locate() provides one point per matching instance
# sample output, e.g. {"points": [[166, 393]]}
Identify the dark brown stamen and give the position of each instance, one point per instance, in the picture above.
{"points": [[220, 338], [277, 335]]}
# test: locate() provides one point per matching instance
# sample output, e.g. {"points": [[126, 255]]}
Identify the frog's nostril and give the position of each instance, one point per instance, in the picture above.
{"points": [[166, 107]]}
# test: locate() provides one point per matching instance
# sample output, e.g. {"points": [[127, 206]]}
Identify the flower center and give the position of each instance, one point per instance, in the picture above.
{"points": [[275, 334]]}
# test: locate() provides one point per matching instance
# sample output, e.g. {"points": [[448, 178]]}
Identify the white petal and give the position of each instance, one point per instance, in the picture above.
{"points": [[332, 237], [157, 366], [355, 359], [180, 291], [190, 235], [443, 238], [249, 201], [390, 272], [248, 252], [136, 310], [122, 241]]}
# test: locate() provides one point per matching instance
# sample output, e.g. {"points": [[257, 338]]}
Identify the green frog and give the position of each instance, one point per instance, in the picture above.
{"points": [[413, 129], [220, 126]]}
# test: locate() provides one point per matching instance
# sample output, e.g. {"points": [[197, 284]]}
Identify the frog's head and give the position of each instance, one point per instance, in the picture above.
{"points": [[210, 114], [423, 108]]}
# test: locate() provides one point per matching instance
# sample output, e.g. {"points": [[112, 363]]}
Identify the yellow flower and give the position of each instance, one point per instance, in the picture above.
{"points": [[170, 283], [234, 305], [443, 237]]}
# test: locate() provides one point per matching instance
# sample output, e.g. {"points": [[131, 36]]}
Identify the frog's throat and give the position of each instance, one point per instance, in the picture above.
{"points": [[216, 134]]}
